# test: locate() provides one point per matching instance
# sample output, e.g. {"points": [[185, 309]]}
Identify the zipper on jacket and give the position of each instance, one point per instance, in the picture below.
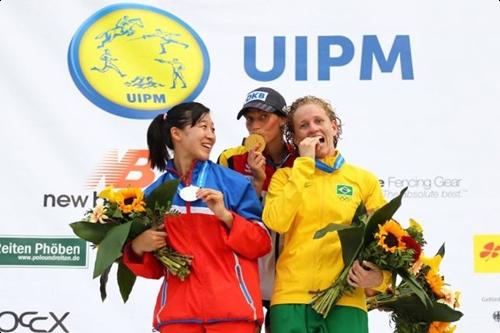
{"points": [[163, 300], [243, 287]]}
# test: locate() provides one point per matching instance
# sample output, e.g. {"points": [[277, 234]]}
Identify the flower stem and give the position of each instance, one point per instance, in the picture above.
{"points": [[325, 299], [176, 263]]}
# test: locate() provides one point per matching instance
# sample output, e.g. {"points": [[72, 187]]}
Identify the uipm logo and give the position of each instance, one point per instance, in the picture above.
{"points": [[137, 61]]}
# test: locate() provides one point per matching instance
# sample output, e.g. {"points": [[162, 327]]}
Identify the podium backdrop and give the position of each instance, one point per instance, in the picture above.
{"points": [[415, 83]]}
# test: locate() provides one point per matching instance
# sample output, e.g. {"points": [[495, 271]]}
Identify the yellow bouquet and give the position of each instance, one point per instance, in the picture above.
{"points": [[119, 216]]}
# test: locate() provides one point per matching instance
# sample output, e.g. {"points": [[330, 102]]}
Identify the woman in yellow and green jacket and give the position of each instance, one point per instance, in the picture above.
{"points": [[319, 189]]}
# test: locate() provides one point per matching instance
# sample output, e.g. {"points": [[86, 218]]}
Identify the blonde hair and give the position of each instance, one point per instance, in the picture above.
{"points": [[326, 106]]}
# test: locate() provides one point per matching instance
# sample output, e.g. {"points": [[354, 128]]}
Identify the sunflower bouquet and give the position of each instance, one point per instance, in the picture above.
{"points": [[119, 216], [417, 302], [408, 313]]}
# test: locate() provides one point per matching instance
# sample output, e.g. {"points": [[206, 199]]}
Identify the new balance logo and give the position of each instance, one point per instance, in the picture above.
{"points": [[132, 170]]}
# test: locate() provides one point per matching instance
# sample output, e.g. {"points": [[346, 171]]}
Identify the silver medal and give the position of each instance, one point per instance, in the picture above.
{"points": [[188, 193]]}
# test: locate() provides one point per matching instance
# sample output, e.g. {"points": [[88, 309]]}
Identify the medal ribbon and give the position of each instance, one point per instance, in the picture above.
{"points": [[200, 182], [329, 169]]}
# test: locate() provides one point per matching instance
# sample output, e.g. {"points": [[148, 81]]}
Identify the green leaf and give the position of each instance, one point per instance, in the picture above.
{"points": [[329, 228], [110, 248], [412, 307], [441, 251], [442, 312], [359, 215], [91, 232], [138, 227], [381, 215], [351, 240], [126, 280], [350, 235], [415, 287], [161, 197], [103, 280], [117, 214]]}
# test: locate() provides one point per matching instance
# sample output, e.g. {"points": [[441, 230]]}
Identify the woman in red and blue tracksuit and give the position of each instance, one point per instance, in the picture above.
{"points": [[221, 228]]}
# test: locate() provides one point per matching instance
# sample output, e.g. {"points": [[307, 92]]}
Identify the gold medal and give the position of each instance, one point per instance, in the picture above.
{"points": [[255, 142]]}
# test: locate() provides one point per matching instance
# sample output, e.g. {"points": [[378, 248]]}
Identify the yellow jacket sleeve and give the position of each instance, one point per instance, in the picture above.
{"points": [[222, 159], [284, 195]]}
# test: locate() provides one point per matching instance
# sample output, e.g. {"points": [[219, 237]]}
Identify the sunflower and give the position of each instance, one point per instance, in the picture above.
{"points": [[390, 236], [441, 327], [130, 200], [436, 283], [433, 278]]}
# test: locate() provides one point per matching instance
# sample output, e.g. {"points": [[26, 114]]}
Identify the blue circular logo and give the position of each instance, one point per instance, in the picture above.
{"points": [[137, 61]]}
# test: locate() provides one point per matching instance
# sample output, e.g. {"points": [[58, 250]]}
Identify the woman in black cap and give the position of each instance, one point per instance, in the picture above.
{"points": [[261, 154]]}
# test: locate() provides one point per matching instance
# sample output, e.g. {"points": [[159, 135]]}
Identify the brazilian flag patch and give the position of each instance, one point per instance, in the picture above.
{"points": [[344, 190]]}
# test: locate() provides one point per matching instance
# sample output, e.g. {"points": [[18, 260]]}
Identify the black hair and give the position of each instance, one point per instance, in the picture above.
{"points": [[159, 137]]}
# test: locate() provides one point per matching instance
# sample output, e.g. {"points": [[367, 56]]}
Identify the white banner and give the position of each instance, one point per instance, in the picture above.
{"points": [[415, 84]]}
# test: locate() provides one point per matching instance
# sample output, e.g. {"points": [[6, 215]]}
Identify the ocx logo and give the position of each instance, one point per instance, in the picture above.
{"points": [[10, 321]]}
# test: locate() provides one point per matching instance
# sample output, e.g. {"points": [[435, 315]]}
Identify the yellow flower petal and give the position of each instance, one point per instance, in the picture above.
{"points": [[441, 327], [414, 224], [108, 193], [433, 262], [457, 299]]}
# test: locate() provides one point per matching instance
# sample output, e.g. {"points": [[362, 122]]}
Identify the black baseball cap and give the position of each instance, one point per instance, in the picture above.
{"points": [[265, 99]]}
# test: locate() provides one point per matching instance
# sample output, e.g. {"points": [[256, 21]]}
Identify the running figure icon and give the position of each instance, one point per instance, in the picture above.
{"points": [[108, 59]]}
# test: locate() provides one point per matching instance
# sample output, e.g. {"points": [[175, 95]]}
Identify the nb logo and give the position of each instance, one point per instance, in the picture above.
{"points": [[131, 170]]}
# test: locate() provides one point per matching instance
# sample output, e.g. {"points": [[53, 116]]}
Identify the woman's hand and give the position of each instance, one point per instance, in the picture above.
{"points": [[257, 163], [150, 240], [215, 202], [367, 275], [307, 147]]}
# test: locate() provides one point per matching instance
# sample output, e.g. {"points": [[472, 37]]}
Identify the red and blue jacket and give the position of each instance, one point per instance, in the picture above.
{"points": [[224, 282]]}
